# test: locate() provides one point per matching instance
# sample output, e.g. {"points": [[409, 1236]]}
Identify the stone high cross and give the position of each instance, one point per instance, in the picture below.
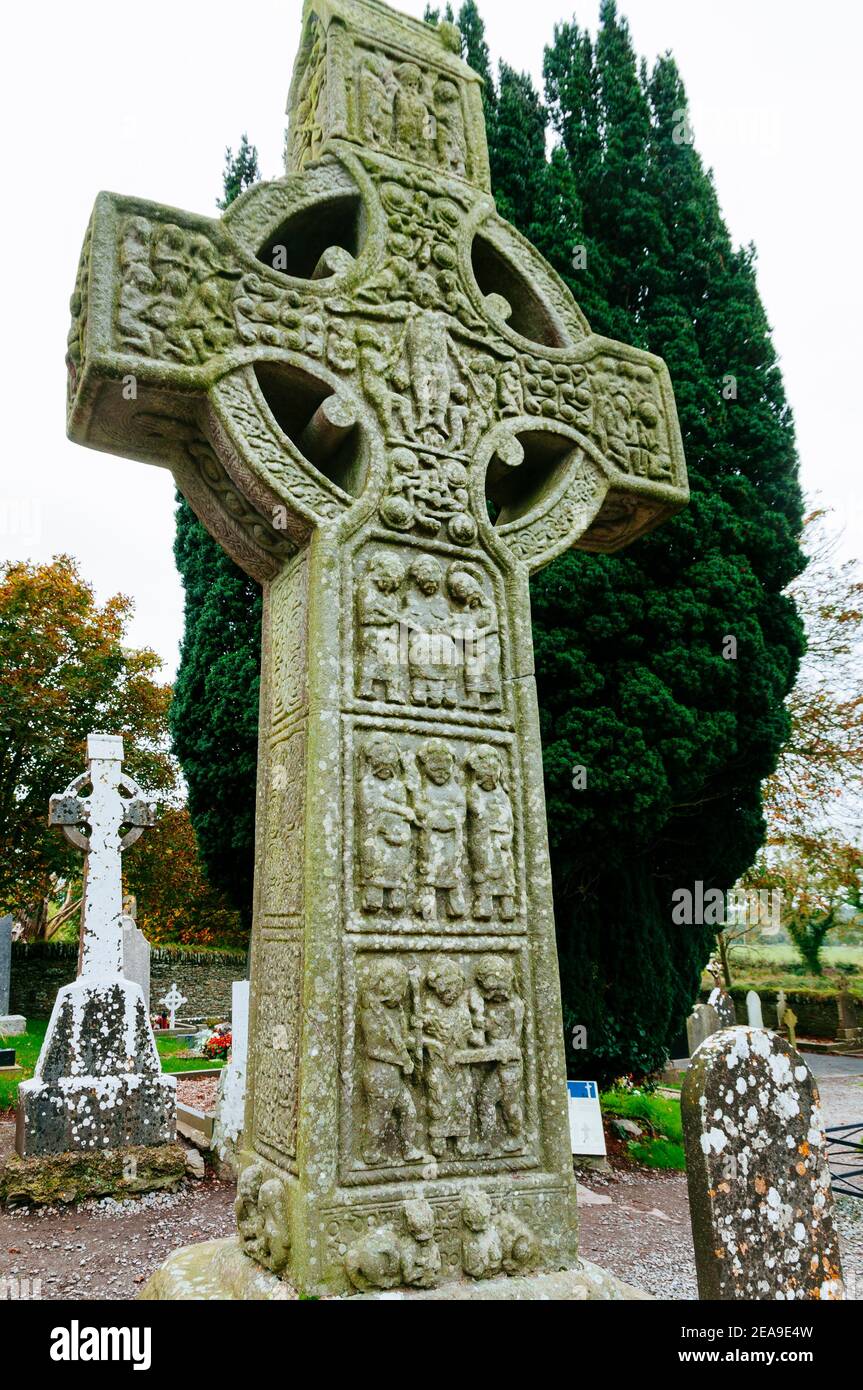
{"points": [[390, 411], [106, 810]]}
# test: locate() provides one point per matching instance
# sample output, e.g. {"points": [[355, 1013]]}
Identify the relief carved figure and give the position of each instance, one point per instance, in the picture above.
{"points": [[387, 1063], [375, 101], [379, 619], [386, 818], [383, 1259], [420, 1253], [490, 836], [411, 114], [480, 639], [501, 1079], [440, 807], [494, 1243], [448, 1032], [262, 1218], [450, 140], [431, 651]]}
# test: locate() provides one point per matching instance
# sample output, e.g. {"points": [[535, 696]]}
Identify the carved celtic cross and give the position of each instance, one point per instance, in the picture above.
{"points": [[106, 811], [389, 410]]}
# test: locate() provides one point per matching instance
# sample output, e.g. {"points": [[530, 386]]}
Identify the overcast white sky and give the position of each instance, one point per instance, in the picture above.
{"points": [[144, 99]]}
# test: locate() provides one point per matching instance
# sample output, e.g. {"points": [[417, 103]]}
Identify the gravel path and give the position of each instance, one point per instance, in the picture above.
{"points": [[198, 1091]]}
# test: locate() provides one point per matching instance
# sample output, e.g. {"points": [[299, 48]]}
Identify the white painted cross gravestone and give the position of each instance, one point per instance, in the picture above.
{"points": [[173, 1001], [753, 1009], [232, 1083], [98, 1083]]}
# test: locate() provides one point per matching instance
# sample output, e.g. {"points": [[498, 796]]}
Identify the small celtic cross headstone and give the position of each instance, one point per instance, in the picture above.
{"points": [[98, 1083], [390, 411], [756, 1165], [114, 801], [173, 1001]]}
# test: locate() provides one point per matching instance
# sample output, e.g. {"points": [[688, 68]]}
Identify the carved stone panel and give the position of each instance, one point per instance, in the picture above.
{"points": [[432, 830], [438, 1048], [277, 1033], [282, 868], [428, 631]]}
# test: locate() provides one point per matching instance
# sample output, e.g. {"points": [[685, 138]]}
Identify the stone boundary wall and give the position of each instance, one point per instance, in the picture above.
{"points": [[39, 968], [817, 1014]]}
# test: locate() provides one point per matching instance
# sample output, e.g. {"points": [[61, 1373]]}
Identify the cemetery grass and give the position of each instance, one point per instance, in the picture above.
{"points": [[175, 1058], [27, 1046], [661, 1146]]}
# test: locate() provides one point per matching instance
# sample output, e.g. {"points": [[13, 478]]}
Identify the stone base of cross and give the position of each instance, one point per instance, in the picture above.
{"points": [[98, 1083]]}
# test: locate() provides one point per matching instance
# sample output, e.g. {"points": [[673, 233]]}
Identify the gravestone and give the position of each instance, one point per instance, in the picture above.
{"points": [[136, 951], [720, 1000], [701, 1023], [389, 411], [173, 1000], [753, 1009], [230, 1107], [98, 1085], [756, 1163], [5, 963], [849, 1030], [11, 1025], [789, 1020], [781, 1006]]}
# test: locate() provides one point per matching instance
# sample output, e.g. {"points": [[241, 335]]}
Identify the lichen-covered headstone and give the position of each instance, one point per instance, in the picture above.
{"points": [[701, 1023], [390, 411], [756, 1165], [753, 1009], [720, 1000], [98, 1083]]}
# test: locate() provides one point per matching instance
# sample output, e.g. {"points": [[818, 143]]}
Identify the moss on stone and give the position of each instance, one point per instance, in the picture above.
{"points": [[54, 1179]]}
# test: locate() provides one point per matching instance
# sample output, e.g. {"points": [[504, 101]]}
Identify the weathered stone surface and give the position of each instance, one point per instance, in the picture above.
{"points": [[342, 373], [701, 1023], [53, 1179], [12, 1025], [759, 1187], [720, 1000], [5, 963], [136, 957], [98, 1083], [217, 1269]]}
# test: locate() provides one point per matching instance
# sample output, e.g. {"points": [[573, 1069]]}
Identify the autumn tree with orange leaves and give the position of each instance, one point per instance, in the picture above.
{"points": [[67, 671]]}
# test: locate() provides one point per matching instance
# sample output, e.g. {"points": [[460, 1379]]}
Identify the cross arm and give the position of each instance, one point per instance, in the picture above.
{"points": [[168, 314]]}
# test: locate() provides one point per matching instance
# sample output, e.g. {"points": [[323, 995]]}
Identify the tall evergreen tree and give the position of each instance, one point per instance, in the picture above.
{"points": [[214, 712], [633, 682]]}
